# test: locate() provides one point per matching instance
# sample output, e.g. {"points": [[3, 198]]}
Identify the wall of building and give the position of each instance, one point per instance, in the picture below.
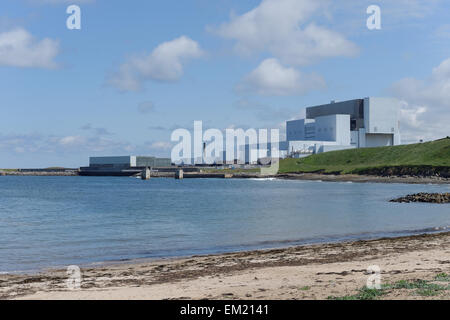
{"points": [[354, 138], [381, 115], [354, 108], [295, 130], [143, 161], [310, 129], [129, 161], [343, 134], [333, 128], [327, 148], [379, 140], [162, 162], [306, 146], [115, 161], [369, 122], [325, 128]]}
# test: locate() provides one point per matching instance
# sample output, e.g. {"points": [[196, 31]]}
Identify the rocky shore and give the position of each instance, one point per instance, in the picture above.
{"points": [[357, 178], [424, 197]]}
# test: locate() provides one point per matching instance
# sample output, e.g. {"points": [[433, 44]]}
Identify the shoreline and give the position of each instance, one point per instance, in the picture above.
{"points": [[327, 269], [362, 178], [281, 176], [255, 247]]}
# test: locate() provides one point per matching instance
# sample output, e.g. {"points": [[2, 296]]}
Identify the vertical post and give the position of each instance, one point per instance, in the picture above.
{"points": [[179, 174], [145, 175]]}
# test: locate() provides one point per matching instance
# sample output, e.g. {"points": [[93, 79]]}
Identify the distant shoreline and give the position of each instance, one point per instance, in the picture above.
{"points": [[286, 176], [68, 173]]}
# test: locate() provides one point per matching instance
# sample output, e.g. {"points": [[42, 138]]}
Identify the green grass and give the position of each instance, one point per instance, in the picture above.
{"points": [[434, 154], [442, 277], [305, 288], [418, 287], [423, 287], [363, 294]]}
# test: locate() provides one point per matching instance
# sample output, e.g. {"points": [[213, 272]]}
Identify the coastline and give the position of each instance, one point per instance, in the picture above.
{"points": [[40, 173], [363, 178], [282, 176], [301, 272]]}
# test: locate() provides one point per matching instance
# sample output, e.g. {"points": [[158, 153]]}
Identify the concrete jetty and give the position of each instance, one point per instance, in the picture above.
{"points": [[207, 175]]}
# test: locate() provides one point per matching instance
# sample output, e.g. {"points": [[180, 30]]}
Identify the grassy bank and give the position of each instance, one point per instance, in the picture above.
{"points": [[423, 159]]}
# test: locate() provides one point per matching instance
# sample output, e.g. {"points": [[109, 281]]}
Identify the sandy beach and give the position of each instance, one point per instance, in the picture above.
{"points": [[413, 267]]}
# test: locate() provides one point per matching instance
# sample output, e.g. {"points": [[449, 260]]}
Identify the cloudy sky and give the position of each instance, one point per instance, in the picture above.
{"points": [[139, 69]]}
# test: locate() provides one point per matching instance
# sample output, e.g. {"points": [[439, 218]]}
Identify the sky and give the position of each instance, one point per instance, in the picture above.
{"points": [[137, 70]]}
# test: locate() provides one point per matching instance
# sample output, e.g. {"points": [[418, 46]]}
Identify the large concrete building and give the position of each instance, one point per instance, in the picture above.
{"points": [[129, 161], [122, 165], [359, 123]]}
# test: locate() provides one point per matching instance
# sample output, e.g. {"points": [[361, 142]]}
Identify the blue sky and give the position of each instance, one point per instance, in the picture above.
{"points": [[139, 69]]}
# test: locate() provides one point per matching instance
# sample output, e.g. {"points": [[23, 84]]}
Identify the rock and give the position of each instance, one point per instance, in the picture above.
{"points": [[424, 197]]}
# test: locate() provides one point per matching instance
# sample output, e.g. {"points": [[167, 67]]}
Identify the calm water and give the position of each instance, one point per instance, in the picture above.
{"points": [[58, 221]]}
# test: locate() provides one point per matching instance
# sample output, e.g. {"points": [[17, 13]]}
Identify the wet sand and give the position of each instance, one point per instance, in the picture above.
{"points": [[302, 272]]}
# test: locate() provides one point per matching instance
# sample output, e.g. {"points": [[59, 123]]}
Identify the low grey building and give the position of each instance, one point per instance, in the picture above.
{"points": [[122, 165]]}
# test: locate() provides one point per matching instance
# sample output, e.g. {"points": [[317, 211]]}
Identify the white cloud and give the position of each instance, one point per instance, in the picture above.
{"points": [[426, 104], [272, 78], [71, 140], [161, 145], [164, 63], [76, 145], [284, 29], [95, 130], [406, 9], [18, 48]]}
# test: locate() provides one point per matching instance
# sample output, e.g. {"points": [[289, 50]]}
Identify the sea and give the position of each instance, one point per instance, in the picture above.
{"points": [[52, 222]]}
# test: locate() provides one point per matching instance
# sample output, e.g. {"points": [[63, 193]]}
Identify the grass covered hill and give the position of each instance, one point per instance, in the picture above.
{"points": [[423, 159]]}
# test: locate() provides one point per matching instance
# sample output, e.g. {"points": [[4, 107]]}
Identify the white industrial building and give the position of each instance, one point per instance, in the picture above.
{"points": [[359, 123]]}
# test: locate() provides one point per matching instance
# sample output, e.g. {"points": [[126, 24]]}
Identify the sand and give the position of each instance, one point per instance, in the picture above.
{"points": [[303, 272]]}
